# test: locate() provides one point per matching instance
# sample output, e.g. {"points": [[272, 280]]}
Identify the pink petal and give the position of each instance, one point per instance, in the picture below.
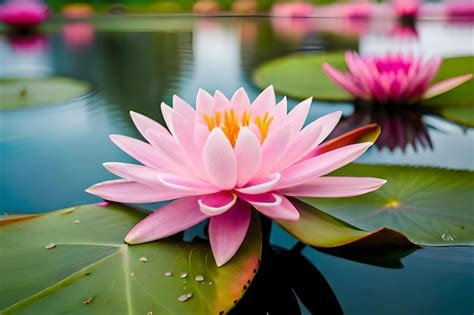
{"points": [[130, 191], [142, 174], [265, 200], [220, 161], [333, 186], [283, 211], [139, 150], [227, 232], [144, 123], [248, 154], [264, 101], [260, 185], [240, 101], [167, 113], [298, 115], [184, 109], [221, 102], [217, 203], [343, 80], [273, 148], [186, 184], [175, 217], [204, 103], [320, 165], [201, 132], [446, 85]]}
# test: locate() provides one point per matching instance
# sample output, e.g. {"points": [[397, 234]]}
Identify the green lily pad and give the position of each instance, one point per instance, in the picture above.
{"points": [[430, 206], [143, 24], [89, 269], [31, 92], [462, 115], [301, 76]]}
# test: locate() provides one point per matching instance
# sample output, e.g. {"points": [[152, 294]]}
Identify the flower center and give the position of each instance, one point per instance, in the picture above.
{"points": [[230, 123]]}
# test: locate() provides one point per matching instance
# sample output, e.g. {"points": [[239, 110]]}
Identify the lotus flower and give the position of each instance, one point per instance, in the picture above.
{"points": [[23, 14], [292, 9], [392, 78], [224, 158], [407, 9]]}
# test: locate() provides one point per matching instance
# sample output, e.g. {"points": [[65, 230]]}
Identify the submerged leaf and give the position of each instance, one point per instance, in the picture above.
{"points": [[430, 206], [91, 270]]}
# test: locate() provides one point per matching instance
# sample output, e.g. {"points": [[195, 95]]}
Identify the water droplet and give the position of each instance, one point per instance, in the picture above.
{"points": [[133, 274], [88, 300], [50, 246], [149, 313], [183, 275], [143, 259], [210, 283], [77, 221], [448, 237], [199, 278], [168, 274], [185, 297]]}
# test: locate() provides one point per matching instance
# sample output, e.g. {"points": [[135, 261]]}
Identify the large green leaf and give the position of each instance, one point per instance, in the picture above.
{"points": [[430, 206], [90, 270], [30, 92], [463, 115], [301, 76]]}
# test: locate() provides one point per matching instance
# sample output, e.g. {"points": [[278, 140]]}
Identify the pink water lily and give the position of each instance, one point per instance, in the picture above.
{"points": [[23, 13], [407, 9], [224, 158], [392, 78]]}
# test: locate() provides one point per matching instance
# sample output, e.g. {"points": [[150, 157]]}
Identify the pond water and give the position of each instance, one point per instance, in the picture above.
{"points": [[50, 154]]}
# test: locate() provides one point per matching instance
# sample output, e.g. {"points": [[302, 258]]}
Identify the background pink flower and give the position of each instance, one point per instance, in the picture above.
{"points": [[23, 13], [392, 78], [224, 158]]}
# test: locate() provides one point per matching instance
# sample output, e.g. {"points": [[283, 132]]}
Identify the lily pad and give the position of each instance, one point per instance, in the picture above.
{"points": [[75, 261], [31, 92], [462, 115], [430, 206], [301, 76], [143, 24]]}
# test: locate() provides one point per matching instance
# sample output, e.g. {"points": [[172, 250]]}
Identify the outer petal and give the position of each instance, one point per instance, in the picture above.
{"points": [[187, 185], [248, 154], [260, 185], [125, 190], [220, 161], [264, 101], [144, 123], [265, 200], [217, 203], [344, 81], [284, 211], [320, 165], [333, 186], [142, 174], [227, 232], [167, 113], [140, 151], [204, 103], [298, 115], [175, 217], [446, 85], [184, 109]]}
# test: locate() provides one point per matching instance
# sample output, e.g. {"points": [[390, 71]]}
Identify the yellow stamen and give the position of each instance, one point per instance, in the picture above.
{"points": [[230, 123]]}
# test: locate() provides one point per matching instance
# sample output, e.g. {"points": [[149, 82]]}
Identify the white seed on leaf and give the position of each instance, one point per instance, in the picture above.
{"points": [[143, 259], [50, 246], [199, 278]]}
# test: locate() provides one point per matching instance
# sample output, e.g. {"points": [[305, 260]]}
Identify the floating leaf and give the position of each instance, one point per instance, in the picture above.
{"points": [[301, 76], [31, 92], [462, 115], [75, 261], [430, 206]]}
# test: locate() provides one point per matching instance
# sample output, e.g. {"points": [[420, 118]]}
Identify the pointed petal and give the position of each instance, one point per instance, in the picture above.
{"points": [[298, 115], [227, 232], [368, 133], [283, 211], [144, 123], [184, 109], [170, 219], [320, 165], [217, 203], [186, 184], [167, 113], [265, 200], [221, 102], [273, 148], [446, 85], [220, 161], [142, 174], [139, 150], [248, 154], [264, 101], [204, 103], [129, 191], [344, 81], [240, 101], [334, 186], [260, 185]]}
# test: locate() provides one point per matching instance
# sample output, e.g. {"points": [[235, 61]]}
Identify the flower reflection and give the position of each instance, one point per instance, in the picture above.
{"points": [[292, 9], [405, 31], [461, 10], [407, 9], [28, 43], [292, 28], [78, 35], [401, 127]]}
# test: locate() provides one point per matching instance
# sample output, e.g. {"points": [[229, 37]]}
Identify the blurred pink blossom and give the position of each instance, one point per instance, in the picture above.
{"points": [[23, 14]]}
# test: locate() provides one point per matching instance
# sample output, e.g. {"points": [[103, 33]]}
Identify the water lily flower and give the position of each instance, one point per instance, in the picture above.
{"points": [[407, 9], [292, 9], [23, 14], [224, 158], [392, 78]]}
